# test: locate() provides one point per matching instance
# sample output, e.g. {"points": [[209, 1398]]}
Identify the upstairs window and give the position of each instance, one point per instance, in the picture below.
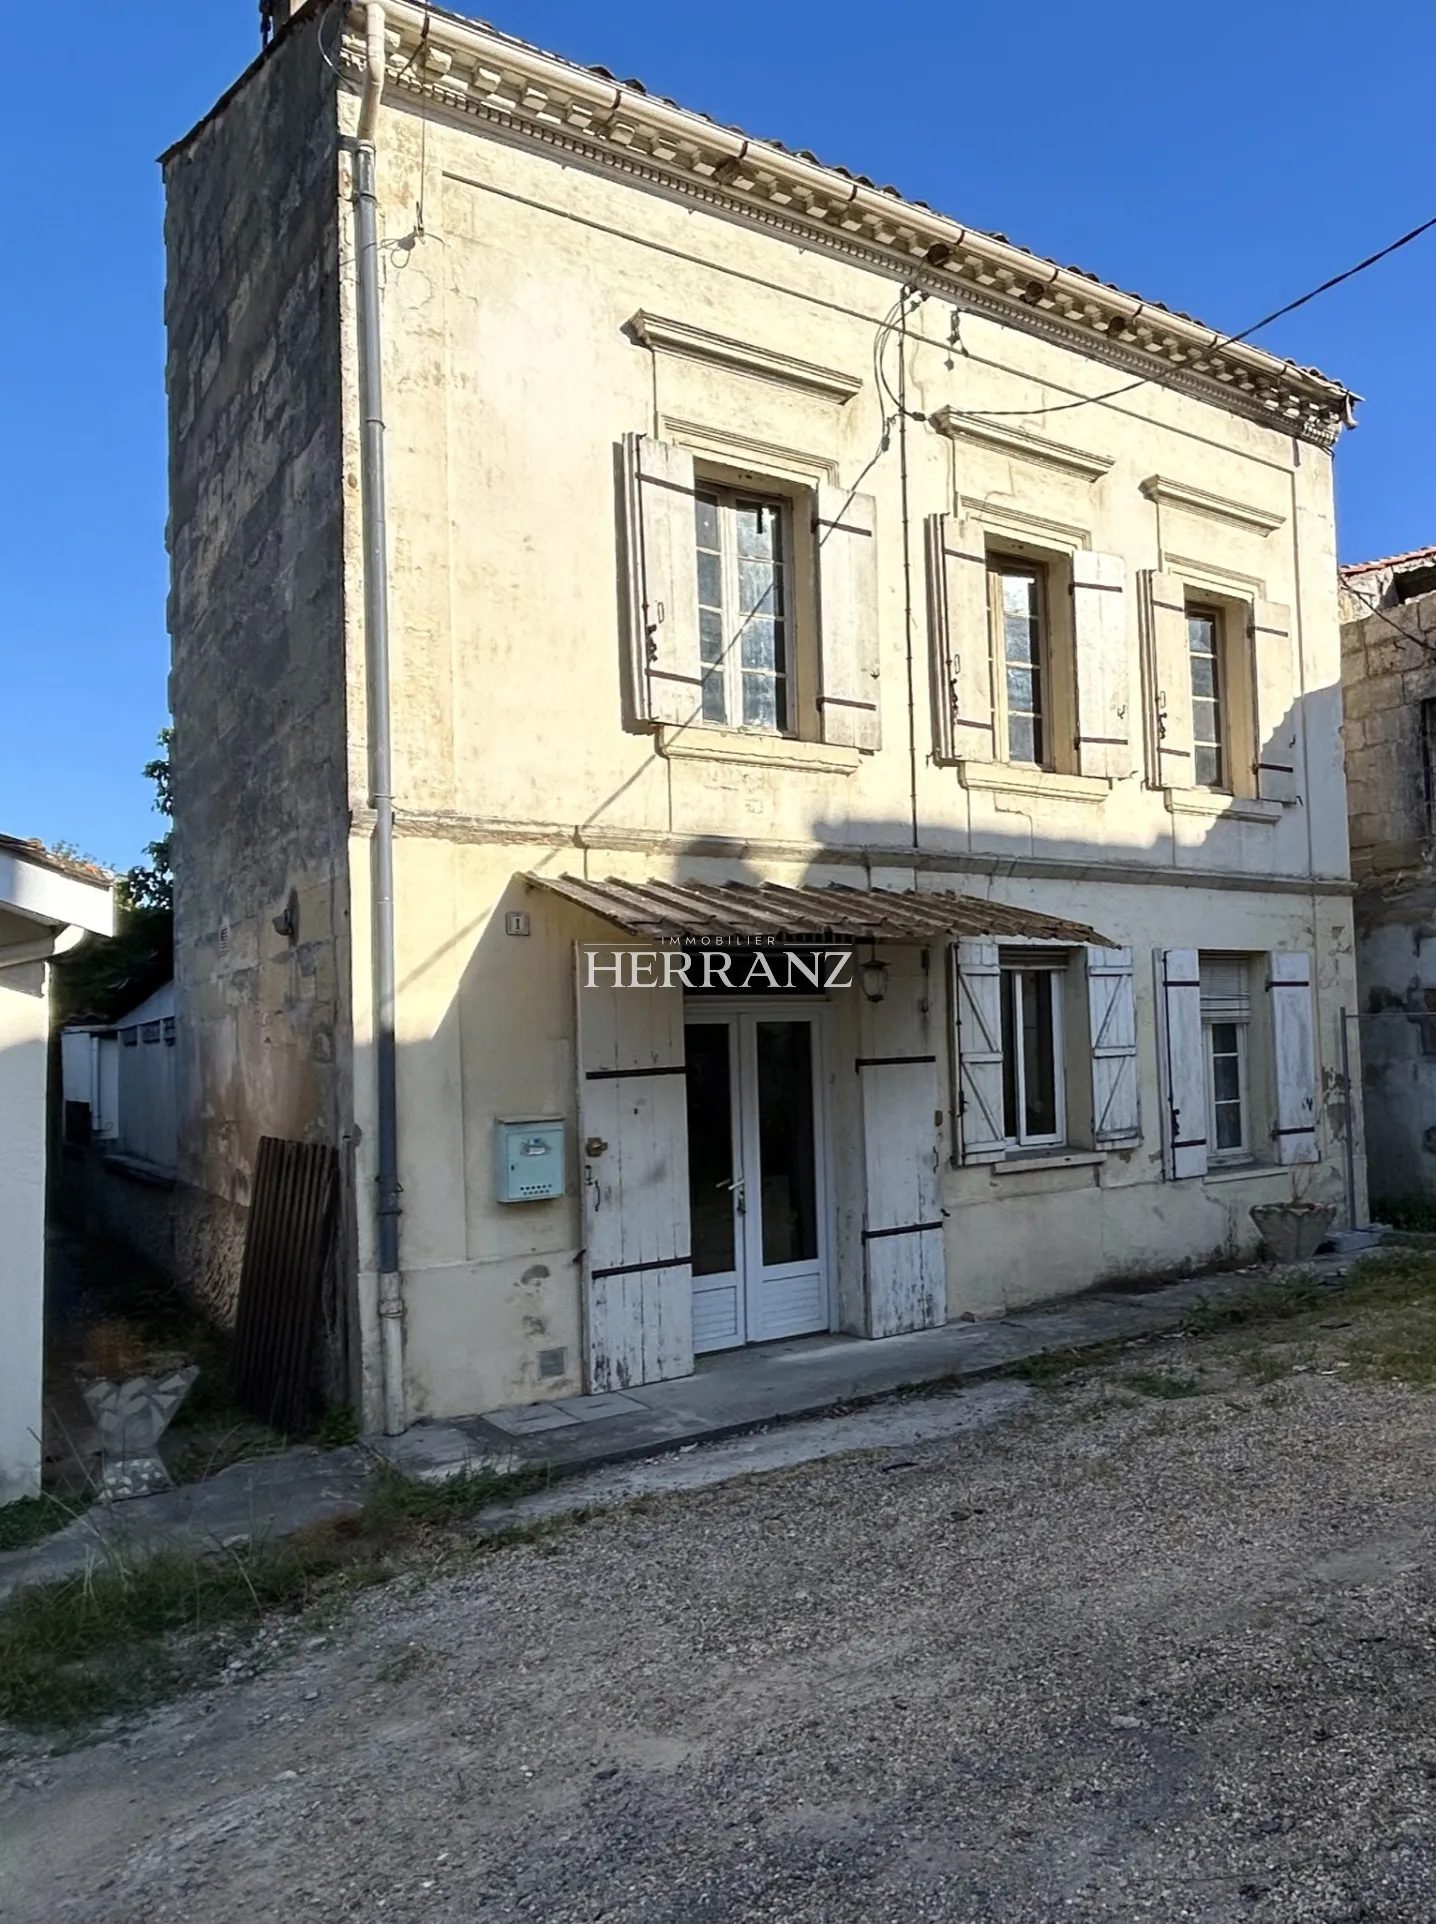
{"points": [[1428, 767], [1018, 592], [1209, 724], [744, 602]]}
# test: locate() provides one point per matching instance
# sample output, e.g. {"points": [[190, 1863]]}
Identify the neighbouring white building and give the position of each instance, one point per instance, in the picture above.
{"points": [[47, 903], [603, 542], [119, 1085]]}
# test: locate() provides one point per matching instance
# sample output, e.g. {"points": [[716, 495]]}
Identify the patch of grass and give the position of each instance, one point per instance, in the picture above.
{"points": [[337, 1427], [126, 1636], [1401, 1347], [398, 1501], [1263, 1365], [1265, 1302], [1162, 1383], [1381, 1317], [122, 1638], [34, 1517], [1049, 1368]]}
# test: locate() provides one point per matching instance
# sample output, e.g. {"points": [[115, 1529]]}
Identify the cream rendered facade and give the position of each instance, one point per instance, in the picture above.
{"points": [[578, 278]]}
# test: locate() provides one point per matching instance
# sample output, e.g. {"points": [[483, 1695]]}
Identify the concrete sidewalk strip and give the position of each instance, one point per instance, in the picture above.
{"points": [[884, 1426], [252, 1502], [787, 1385]]}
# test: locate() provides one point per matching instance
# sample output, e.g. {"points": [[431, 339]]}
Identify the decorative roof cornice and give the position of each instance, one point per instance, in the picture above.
{"points": [[471, 70]]}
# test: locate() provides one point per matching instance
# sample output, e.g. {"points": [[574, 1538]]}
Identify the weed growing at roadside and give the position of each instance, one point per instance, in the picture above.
{"points": [[1265, 1302], [337, 1426], [126, 1635], [1051, 1367], [1162, 1383], [34, 1517]]}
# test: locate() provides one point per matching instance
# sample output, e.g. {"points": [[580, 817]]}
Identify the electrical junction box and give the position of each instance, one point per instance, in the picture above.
{"points": [[528, 1160]]}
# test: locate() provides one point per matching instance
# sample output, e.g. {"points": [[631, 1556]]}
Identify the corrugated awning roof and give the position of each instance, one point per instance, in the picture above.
{"points": [[663, 911]]}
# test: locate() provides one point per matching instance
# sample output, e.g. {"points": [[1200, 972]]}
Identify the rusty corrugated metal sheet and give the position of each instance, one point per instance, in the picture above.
{"points": [[666, 910], [286, 1247]]}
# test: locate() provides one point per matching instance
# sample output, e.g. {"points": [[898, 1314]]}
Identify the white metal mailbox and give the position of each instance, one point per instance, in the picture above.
{"points": [[528, 1159]]}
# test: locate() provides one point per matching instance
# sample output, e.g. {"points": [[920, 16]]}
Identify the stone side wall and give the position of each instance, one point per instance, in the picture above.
{"points": [[1385, 679], [1393, 854], [256, 621]]}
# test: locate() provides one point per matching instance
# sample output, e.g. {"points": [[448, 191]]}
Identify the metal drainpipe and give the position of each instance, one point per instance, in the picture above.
{"points": [[376, 633]]}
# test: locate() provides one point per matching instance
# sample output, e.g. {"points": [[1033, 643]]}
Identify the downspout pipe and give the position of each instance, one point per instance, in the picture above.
{"points": [[381, 787]]}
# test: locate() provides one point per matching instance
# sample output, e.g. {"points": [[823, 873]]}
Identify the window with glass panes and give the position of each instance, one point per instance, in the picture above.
{"points": [[1033, 1093], [744, 599], [1019, 612], [1226, 1026], [1204, 646]]}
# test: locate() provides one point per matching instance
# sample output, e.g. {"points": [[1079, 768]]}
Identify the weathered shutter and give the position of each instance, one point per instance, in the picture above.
{"points": [[963, 717], [1112, 1012], [1294, 1044], [904, 1260], [1276, 704], [1172, 672], [845, 531], [633, 1139], [1183, 1062], [1104, 675], [979, 1052], [664, 576]]}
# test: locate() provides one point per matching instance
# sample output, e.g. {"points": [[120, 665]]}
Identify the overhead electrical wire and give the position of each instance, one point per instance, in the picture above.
{"points": [[1226, 340], [1376, 609]]}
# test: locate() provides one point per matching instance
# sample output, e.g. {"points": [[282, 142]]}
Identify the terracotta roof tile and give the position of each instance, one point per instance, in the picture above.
{"points": [[42, 857], [1387, 561]]}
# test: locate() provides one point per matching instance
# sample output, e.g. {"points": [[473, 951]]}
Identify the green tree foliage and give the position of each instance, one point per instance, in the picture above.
{"points": [[103, 978], [151, 885]]}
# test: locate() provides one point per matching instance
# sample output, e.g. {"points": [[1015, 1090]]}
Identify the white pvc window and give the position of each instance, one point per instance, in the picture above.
{"points": [[1034, 1097]]}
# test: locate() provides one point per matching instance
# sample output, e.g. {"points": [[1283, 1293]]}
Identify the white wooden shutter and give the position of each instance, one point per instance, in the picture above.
{"points": [[845, 529], [1273, 660], [1294, 1045], [1183, 1063], [633, 1143], [963, 715], [1172, 672], [979, 1052], [903, 1254], [664, 580], [1104, 674], [1112, 1010]]}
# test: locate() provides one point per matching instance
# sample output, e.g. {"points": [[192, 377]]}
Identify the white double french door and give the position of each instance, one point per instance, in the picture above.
{"points": [[758, 1188]]}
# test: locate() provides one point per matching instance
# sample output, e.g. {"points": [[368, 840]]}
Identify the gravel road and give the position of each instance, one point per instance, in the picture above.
{"points": [[1114, 1659]]}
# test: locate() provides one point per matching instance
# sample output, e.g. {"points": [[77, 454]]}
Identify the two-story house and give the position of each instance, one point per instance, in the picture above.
{"points": [[759, 761]]}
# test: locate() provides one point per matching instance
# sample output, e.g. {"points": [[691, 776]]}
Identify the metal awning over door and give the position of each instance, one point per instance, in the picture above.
{"points": [[678, 911]]}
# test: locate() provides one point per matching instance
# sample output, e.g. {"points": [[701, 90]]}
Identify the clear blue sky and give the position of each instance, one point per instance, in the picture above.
{"points": [[1222, 162]]}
